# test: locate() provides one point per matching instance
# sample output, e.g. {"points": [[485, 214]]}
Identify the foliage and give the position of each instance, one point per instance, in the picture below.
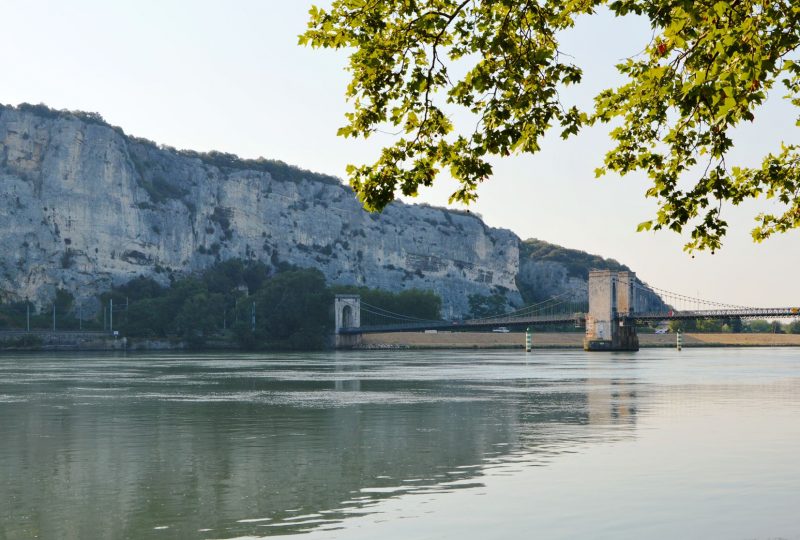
{"points": [[199, 316], [21, 342], [707, 69], [139, 288], [64, 301], [279, 170], [158, 189], [415, 303], [229, 275], [46, 112], [293, 311], [759, 327], [682, 326], [13, 314], [68, 258], [486, 306], [293, 308], [578, 263], [736, 325]]}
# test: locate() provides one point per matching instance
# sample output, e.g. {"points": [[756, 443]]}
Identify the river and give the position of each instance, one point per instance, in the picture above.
{"points": [[703, 443]]}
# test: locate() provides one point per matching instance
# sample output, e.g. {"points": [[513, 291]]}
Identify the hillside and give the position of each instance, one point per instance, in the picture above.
{"points": [[84, 205]]}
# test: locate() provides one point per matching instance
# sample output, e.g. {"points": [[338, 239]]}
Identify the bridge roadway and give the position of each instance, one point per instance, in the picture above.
{"points": [[468, 324], [740, 313], [574, 318]]}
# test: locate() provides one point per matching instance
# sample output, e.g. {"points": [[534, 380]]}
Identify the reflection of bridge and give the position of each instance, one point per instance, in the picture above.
{"points": [[617, 302]]}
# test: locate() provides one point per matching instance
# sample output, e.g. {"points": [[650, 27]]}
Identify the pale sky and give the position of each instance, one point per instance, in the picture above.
{"points": [[229, 76]]}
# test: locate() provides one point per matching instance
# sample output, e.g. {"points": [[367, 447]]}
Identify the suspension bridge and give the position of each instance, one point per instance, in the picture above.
{"points": [[617, 302]]}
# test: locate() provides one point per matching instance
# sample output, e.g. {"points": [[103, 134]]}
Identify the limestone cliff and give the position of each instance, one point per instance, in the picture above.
{"points": [[547, 270], [83, 206]]}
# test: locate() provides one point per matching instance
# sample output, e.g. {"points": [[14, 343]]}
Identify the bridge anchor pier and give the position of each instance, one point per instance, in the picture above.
{"points": [[609, 326], [347, 314]]}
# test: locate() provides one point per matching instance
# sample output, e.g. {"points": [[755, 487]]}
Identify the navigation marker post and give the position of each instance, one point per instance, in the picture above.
{"points": [[528, 339], [678, 340]]}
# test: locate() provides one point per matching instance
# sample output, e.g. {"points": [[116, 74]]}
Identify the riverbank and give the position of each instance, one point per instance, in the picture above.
{"points": [[97, 341], [63, 340], [564, 340]]}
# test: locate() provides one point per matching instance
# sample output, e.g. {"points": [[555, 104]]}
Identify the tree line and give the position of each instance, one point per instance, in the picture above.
{"points": [[241, 303]]}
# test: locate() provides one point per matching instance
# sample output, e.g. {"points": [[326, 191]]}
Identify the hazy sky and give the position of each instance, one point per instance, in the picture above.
{"points": [[229, 76]]}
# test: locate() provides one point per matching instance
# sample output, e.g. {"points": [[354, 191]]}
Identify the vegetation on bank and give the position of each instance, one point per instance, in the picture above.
{"points": [[754, 326], [578, 263], [395, 308], [280, 171], [242, 303], [482, 305]]}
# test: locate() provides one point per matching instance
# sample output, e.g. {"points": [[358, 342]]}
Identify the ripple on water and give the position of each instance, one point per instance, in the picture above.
{"points": [[309, 399]]}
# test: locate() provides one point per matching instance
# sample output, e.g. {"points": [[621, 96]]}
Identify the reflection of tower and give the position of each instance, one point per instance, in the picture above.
{"points": [[341, 384], [611, 402]]}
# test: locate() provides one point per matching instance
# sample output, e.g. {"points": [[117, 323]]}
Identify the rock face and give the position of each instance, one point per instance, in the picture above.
{"points": [[547, 270], [84, 206]]}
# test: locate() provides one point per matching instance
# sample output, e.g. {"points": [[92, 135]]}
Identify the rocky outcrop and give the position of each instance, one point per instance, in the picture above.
{"points": [[85, 206], [547, 270]]}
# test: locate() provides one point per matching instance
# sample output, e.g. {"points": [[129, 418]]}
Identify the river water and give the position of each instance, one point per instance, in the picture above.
{"points": [[703, 443]]}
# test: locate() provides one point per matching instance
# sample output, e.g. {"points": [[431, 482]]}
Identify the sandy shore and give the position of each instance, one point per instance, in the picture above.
{"points": [[490, 340]]}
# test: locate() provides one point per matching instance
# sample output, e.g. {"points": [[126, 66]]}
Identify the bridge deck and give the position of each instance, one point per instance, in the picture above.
{"points": [[574, 318], [468, 324]]}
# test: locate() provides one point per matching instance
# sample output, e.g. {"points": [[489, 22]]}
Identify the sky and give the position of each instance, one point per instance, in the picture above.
{"points": [[229, 76]]}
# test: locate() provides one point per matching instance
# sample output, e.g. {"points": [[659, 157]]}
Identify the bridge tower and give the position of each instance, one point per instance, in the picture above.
{"points": [[347, 313], [612, 300]]}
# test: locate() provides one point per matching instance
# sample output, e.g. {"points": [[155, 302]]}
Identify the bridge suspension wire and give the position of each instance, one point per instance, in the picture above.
{"points": [[687, 299], [682, 303], [390, 314], [526, 311], [532, 309], [384, 315]]}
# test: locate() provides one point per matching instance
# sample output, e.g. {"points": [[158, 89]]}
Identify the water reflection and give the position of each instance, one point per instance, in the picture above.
{"points": [[218, 447]]}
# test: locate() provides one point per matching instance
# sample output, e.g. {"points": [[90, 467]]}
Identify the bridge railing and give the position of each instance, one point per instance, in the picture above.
{"points": [[568, 318], [744, 313]]}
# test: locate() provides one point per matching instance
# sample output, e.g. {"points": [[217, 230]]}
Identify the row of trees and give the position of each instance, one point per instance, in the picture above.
{"points": [[62, 312], [244, 302], [395, 307], [239, 302], [756, 326]]}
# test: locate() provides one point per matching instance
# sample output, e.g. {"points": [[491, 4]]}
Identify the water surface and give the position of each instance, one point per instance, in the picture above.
{"points": [[402, 444]]}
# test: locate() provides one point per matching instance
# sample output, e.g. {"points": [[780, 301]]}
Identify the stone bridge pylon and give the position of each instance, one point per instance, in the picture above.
{"points": [[612, 302], [347, 314]]}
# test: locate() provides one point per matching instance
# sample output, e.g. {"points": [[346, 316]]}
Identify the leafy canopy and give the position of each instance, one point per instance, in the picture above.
{"points": [[707, 69]]}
